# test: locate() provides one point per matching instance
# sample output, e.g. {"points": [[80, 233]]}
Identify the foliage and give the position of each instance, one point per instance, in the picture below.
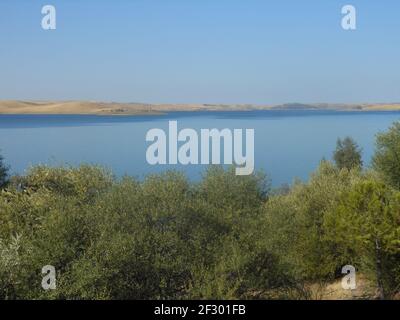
{"points": [[296, 221], [367, 220], [387, 156], [224, 237], [9, 261], [347, 154], [3, 173]]}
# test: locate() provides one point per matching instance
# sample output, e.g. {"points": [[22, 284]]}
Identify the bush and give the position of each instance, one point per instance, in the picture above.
{"points": [[3, 173], [225, 237], [386, 159], [367, 222], [295, 223]]}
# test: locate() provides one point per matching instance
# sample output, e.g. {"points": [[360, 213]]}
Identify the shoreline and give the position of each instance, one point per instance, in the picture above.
{"points": [[15, 107]]}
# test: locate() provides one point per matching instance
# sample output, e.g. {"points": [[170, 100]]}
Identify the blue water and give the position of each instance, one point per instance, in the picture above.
{"points": [[288, 144]]}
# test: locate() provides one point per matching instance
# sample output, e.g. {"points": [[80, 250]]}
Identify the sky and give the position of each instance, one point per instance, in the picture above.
{"points": [[201, 51]]}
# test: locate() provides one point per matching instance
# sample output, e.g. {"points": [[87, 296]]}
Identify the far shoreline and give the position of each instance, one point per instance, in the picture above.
{"points": [[16, 107]]}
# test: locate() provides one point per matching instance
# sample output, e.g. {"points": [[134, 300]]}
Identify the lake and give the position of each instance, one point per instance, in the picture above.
{"points": [[288, 144]]}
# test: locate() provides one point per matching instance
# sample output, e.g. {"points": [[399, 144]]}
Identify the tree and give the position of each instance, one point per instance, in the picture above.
{"points": [[367, 223], [297, 222], [3, 173], [347, 154], [387, 155]]}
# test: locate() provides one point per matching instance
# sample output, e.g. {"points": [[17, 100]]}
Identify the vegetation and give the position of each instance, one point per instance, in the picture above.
{"points": [[3, 173], [347, 154], [225, 237], [367, 221], [387, 156]]}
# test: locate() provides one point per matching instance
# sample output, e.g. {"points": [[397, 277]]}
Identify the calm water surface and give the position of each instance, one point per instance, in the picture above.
{"points": [[288, 144]]}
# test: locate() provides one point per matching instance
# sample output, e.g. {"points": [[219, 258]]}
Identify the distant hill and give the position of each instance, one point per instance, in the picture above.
{"points": [[339, 107], [295, 106], [115, 108]]}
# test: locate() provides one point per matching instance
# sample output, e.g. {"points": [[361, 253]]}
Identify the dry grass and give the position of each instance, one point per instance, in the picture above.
{"points": [[334, 291]]}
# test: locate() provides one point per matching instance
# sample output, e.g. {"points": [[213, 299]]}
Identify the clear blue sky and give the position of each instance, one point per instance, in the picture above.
{"points": [[206, 51]]}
